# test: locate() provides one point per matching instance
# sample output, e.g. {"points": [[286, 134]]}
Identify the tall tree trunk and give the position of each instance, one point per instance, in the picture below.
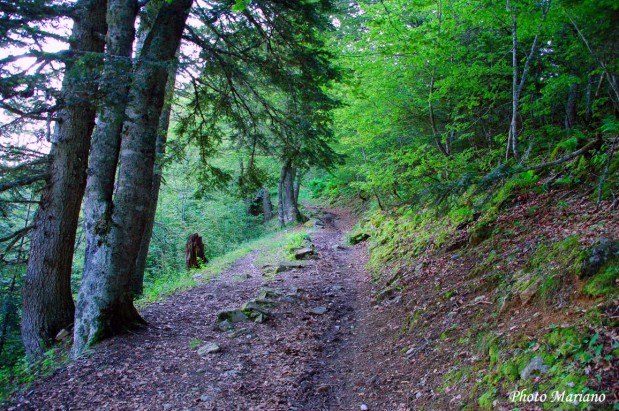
{"points": [[518, 85], [137, 280], [512, 139], [121, 15], [287, 207], [297, 188], [267, 206], [105, 304], [47, 301]]}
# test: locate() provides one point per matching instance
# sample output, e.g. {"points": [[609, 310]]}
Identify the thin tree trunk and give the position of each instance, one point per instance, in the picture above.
{"points": [[297, 188], [512, 140], [435, 133], [609, 77], [589, 100], [518, 86], [105, 304], [606, 170], [137, 280], [47, 301], [287, 207], [267, 206]]}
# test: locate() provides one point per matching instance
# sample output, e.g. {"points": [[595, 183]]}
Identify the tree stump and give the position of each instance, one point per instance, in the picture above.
{"points": [[194, 251]]}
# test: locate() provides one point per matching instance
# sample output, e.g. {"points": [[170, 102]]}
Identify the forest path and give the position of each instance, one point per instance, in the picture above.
{"points": [[297, 360]]}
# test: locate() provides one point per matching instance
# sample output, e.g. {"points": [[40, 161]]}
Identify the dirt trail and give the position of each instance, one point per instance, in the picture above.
{"points": [[295, 361]]}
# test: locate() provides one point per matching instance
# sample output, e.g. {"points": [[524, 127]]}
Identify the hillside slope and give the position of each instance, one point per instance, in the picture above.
{"points": [[499, 304]]}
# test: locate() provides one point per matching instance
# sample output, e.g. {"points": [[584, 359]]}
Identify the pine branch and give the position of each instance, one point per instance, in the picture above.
{"points": [[25, 181]]}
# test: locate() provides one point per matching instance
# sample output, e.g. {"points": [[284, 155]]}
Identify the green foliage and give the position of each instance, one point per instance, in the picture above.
{"points": [[219, 217], [166, 284], [297, 239], [550, 266], [429, 98], [520, 181], [603, 283], [22, 373], [195, 343], [565, 350]]}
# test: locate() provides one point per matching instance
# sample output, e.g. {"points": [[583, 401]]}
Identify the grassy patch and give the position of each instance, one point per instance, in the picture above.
{"points": [[604, 283], [22, 374], [195, 343], [575, 357], [281, 248], [270, 247]]}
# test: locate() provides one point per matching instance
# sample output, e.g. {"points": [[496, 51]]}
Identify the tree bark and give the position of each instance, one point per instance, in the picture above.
{"points": [[518, 85], [297, 188], [512, 140], [137, 280], [47, 301], [287, 207], [116, 79], [105, 304], [267, 206]]}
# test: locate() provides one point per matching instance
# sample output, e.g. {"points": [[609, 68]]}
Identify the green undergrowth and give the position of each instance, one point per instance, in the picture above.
{"points": [[400, 238], [22, 373], [282, 248], [522, 275], [271, 248], [575, 358], [605, 282]]}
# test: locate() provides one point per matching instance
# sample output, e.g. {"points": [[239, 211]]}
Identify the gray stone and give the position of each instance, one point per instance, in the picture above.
{"points": [[238, 333], [268, 294], [260, 318], [210, 348], [318, 310], [303, 253], [535, 366], [526, 285], [289, 265], [206, 398], [251, 307], [600, 253], [224, 325], [234, 316]]}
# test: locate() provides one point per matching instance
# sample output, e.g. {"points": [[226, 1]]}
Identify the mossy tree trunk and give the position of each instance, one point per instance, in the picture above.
{"points": [[137, 280], [47, 301], [287, 208], [105, 305]]}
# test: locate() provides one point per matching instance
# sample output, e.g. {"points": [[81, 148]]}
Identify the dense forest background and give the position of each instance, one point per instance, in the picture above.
{"points": [[409, 108]]}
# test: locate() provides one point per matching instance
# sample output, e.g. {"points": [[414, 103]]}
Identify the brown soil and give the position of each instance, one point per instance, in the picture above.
{"points": [[294, 361]]}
